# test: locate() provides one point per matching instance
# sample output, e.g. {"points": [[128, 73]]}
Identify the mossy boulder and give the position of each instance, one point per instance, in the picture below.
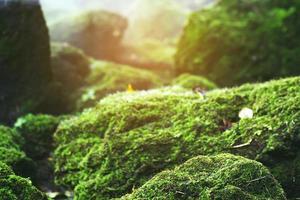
{"points": [[107, 78], [37, 131], [235, 42], [98, 33], [223, 177], [13, 187], [24, 58], [70, 67], [129, 137], [194, 82], [12, 154]]}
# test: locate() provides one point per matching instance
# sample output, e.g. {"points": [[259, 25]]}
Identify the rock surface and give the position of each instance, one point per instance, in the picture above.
{"points": [[24, 58], [224, 177], [129, 137]]}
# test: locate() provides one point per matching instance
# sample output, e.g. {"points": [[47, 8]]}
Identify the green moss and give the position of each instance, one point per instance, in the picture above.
{"points": [[143, 133], [11, 153], [98, 33], [190, 81], [14, 187], [25, 59], [37, 131], [70, 68], [212, 177], [107, 78], [235, 42]]}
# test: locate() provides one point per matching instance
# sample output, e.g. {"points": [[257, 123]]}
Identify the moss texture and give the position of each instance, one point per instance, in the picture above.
{"points": [[129, 137], [223, 176], [190, 81], [12, 154], [37, 131], [13, 187], [70, 67], [24, 58], [98, 33], [238, 41], [107, 78]]}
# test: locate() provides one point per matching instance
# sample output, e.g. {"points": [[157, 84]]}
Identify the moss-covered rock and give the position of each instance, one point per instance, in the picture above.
{"points": [[223, 176], [37, 131], [13, 187], [70, 68], [70, 65], [237, 41], [150, 54], [98, 33], [129, 137], [190, 81], [11, 153], [24, 58], [107, 78]]}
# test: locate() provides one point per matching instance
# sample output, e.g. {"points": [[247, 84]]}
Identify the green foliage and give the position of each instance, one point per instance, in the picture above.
{"points": [[107, 78], [14, 187], [11, 153], [98, 33], [37, 131], [190, 81], [129, 137], [70, 68], [212, 177], [24, 59], [238, 41]]}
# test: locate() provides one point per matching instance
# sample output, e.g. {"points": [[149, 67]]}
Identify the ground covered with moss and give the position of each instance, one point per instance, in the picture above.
{"points": [[13, 187], [216, 177], [129, 137], [11, 152], [136, 131]]}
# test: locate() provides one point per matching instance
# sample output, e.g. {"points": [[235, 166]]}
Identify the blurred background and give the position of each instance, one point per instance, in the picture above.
{"points": [[86, 50]]}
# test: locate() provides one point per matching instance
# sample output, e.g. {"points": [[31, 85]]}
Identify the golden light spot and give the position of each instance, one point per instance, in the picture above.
{"points": [[130, 88]]}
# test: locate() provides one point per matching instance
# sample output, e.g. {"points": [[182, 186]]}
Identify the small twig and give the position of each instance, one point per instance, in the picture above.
{"points": [[243, 145], [178, 192], [257, 179]]}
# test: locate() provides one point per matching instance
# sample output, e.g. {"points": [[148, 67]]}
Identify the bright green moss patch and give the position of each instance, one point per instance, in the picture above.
{"points": [[14, 187], [216, 177], [190, 81], [11, 153], [132, 136], [37, 131], [98, 33], [107, 78]]}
